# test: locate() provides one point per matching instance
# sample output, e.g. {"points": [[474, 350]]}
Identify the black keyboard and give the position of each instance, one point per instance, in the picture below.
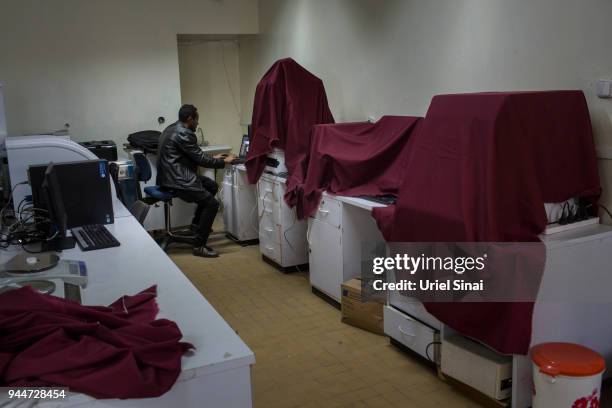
{"points": [[92, 237], [387, 199]]}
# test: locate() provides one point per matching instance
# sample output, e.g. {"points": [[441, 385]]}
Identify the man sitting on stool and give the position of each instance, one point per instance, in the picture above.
{"points": [[178, 159]]}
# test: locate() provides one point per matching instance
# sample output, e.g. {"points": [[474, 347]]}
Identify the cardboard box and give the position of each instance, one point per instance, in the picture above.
{"points": [[365, 315]]}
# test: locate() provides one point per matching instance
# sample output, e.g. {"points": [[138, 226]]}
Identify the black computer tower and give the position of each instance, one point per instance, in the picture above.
{"points": [[85, 188]]}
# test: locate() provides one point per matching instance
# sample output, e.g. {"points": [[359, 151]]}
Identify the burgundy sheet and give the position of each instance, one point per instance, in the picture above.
{"points": [[119, 351], [289, 100], [352, 159], [480, 169]]}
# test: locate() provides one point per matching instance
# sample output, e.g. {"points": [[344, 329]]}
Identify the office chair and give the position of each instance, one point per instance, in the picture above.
{"points": [[113, 169], [155, 195]]}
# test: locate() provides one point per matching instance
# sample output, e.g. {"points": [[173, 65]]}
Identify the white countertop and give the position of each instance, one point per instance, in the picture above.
{"points": [[216, 149], [356, 201], [140, 263]]}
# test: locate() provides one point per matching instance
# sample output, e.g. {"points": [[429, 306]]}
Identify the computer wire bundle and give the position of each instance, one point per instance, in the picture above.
{"points": [[27, 225]]}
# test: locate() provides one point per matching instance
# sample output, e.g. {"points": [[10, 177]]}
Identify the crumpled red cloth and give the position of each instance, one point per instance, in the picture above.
{"points": [[480, 169], [119, 351], [352, 159], [289, 100]]}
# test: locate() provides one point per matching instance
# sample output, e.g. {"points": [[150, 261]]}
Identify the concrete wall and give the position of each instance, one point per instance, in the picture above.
{"points": [[108, 68], [391, 57]]}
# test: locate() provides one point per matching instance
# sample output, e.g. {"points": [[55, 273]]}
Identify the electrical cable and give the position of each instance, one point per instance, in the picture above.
{"points": [[9, 201], [606, 210], [427, 350]]}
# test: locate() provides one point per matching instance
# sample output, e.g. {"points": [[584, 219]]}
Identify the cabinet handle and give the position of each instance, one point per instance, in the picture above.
{"points": [[405, 333], [270, 230], [269, 248], [325, 212]]}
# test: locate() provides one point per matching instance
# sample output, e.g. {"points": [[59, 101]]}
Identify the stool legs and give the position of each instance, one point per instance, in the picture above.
{"points": [[169, 236]]}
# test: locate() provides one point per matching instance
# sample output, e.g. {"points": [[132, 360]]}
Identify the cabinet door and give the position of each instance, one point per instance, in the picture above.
{"points": [[325, 257], [228, 207]]}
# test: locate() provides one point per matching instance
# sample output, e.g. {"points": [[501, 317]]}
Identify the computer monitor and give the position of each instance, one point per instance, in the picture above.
{"points": [[56, 211], [244, 146]]}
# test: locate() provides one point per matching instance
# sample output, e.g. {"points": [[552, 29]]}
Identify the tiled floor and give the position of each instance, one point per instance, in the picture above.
{"points": [[305, 356]]}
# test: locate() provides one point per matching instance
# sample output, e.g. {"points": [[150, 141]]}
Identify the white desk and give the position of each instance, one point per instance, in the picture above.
{"points": [[572, 305], [213, 150], [336, 232], [216, 149], [577, 267], [217, 373]]}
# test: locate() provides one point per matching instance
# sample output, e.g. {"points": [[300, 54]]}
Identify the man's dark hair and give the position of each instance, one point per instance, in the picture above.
{"points": [[186, 112]]}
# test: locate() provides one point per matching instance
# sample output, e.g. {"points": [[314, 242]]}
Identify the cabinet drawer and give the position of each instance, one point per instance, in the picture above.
{"points": [[270, 248], [269, 212], [329, 211], [269, 190], [269, 231], [411, 333]]}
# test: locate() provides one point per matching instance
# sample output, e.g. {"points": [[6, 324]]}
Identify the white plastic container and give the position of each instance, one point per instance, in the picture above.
{"points": [[566, 375]]}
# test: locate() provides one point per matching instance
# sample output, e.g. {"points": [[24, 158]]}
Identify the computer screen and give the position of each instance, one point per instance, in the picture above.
{"points": [[55, 204], [244, 147]]}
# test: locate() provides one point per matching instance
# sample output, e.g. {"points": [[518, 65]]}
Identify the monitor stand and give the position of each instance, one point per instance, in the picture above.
{"points": [[59, 244]]}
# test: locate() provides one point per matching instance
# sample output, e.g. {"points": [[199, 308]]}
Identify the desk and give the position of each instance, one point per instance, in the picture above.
{"points": [[214, 150], [217, 373], [336, 232], [572, 305]]}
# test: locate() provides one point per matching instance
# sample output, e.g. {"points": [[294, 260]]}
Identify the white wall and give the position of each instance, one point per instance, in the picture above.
{"points": [[391, 57], [108, 67], [210, 80]]}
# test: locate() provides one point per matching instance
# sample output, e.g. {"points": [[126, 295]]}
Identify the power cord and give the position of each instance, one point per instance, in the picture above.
{"points": [[606, 210], [427, 350], [8, 202]]}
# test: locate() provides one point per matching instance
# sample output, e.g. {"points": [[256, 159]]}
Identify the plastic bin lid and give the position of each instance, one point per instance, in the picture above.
{"points": [[568, 359]]}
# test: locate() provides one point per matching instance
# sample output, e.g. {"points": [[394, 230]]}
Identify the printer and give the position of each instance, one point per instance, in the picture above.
{"points": [[275, 163]]}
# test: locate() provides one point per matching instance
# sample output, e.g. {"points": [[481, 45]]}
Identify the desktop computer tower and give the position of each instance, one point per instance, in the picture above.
{"points": [[85, 190]]}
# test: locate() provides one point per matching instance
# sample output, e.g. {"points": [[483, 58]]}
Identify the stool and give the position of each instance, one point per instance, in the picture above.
{"points": [[156, 194]]}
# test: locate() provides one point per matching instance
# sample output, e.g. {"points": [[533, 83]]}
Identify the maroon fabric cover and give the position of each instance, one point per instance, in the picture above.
{"points": [[289, 100], [352, 159], [480, 169], [119, 351]]}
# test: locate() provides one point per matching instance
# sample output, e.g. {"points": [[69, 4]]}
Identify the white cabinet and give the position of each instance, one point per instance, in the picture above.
{"points": [[282, 237], [336, 233], [324, 263], [411, 333], [239, 205]]}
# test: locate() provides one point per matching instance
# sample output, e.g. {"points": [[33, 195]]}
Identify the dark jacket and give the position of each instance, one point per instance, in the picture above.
{"points": [[178, 158]]}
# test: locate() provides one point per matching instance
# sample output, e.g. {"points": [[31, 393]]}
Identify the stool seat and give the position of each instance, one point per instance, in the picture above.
{"points": [[157, 193]]}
